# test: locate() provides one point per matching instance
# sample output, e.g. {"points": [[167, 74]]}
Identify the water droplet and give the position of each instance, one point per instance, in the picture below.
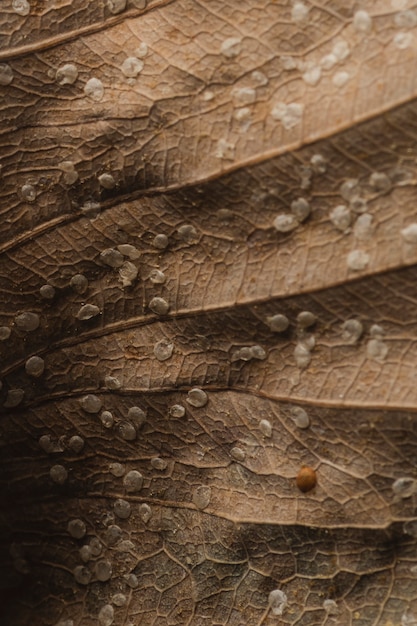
{"points": [[238, 454], [87, 312], [27, 321], [91, 403], [376, 331], [225, 150], [5, 333], [159, 464], [341, 217], [76, 444], [410, 528], [107, 181], [357, 260], [106, 613], [341, 50], [82, 575], [70, 173], [94, 89], [242, 96], [76, 528], [405, 487], [301, 209], [349, 188], [352, 330], [330, 607], [197, 397], [116, 6], [132, 66], [159, 306], [163, 349], [145, 513], [142, 50], [160, 241], [79, 283], [319, 163], [95, 546], [14, 398], [305, 319], [119, 599], [409, 234], [265, 428], [278, 323], [379, 181], [278, 601], [300, 417], [21, 7], [302, 355], [6, 74], [47, 292], [376, 349], [177, 410], [362, 21], [328, 61], [284, 223], [299, 13], [126, 431], [363, 228], [340, 79], [58, 474], [122, 508], [107, 419], [202, 497], [130, 251], [402, 41], [35, 366], [312, 76], [133, 481], [231, 47], [85, 554], [113, 534], [288, 114], [406, 19], [157, 277], [117, 469], [136, 415], [66, 74], [103, 570]]}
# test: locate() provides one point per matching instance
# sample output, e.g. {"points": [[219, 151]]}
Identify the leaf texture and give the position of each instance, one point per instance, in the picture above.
{"points": [[208, 265]]}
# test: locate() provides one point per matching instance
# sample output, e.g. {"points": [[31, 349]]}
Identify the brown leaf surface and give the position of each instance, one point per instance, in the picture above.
{"points": [[203, 123]]}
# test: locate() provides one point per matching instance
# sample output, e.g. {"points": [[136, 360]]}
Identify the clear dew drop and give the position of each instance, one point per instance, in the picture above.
{"points": [[113, 534], [197, 397], [159, 306], [357, 260], [13, 398], [299, 12], [128, 250], [87, 312], [27, 321], [85, 553], [117, 469], [352, 330], [35, 366], [305, 319], [404, 487], [379, 181], [409, 234], [302, 355], [95, 546], [231, 47], [289, 115], [136, 415], [91, 403], [160, 241], [103, 570], [82, 575], [402, 41], [107, 181], [70, 174], [107, 419], [341, 217], [163, 350], [115, 7], [278, 323], [5, 333], [340, 78], [376, 350], [106, 613], [312, 76], [112, 258], [265, 427], [285, 223], [122, 508], [406, 19], [362, 22], [278, 601], [300, 417], [159, 464], [66, 74], [349, 188], [328, 61], [242, 96], [318, 163], [6, 74], [133, 481], [330, 606], [238, 454], [112, 383], [76, 528], [119, 599], [79, 283], [132, 66], [341, 50], [126, 430], [48, 445], [177, 410], [363, 228], [47, 292], [94, 89], [90, 209], [21, 7], [301, 209], [288, 62], [376, 331], [157, 277], [202, 497], [76, 444], [58, 474], [142, 50], [145, 513], [225, 150]]}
